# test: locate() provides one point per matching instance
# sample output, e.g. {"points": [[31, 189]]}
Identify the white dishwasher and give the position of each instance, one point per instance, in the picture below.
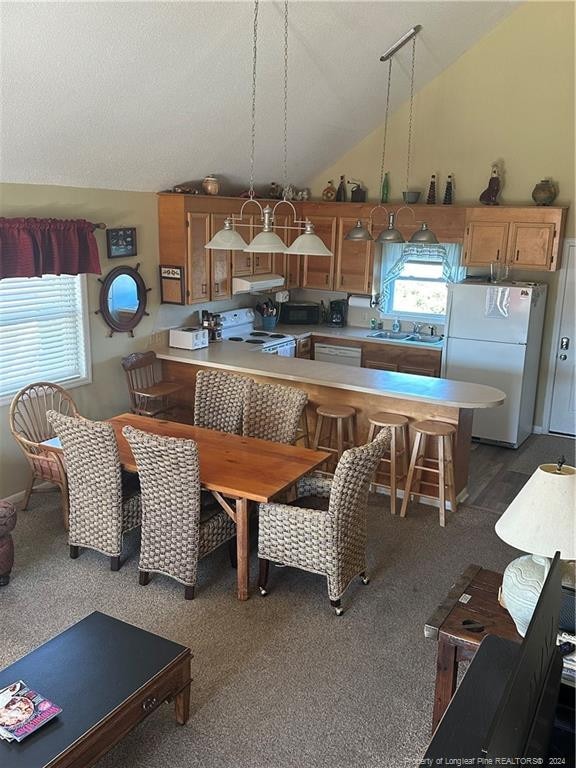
{"points": [[329, 353]]}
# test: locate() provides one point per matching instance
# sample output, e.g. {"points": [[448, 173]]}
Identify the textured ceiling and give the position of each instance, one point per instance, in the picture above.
{"points": [[141, 96]]}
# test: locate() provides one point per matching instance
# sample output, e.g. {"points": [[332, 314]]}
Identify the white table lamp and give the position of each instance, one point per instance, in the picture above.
{"points": [[540, 521]]}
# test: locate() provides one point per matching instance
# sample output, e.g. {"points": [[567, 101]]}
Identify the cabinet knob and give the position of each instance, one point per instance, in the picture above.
{"points": [[498, 254], [517, 255], [204, 286], [563, 357]]}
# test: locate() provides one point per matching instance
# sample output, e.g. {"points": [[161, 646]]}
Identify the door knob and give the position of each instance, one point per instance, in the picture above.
{"points": [[563, 357]]}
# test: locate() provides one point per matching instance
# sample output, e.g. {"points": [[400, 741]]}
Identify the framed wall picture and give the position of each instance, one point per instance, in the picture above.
{"points": [[121, 242]]}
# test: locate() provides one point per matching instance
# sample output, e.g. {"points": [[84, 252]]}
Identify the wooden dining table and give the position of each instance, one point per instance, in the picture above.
{"points": [[244, 469]]}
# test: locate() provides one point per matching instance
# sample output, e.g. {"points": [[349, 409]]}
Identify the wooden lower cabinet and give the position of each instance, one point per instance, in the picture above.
{"points": [[401, 358]]}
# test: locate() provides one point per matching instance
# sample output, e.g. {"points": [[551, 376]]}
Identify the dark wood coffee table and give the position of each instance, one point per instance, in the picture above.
{"points": [[469, 612], [107, 676]]}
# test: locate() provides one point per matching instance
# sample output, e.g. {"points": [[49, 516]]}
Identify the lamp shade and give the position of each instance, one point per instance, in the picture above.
{"points": [[424, 235], [540, 520], [309, 244], [266, 242], [226, 239], [359, 232], [390, 235]]}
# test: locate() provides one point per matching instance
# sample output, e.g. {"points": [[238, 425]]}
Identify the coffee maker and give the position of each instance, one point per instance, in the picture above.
{"points": [[338, 312]]}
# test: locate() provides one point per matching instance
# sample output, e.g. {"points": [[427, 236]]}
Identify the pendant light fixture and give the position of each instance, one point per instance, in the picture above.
{"points": [[267, 241], [391, 235]]}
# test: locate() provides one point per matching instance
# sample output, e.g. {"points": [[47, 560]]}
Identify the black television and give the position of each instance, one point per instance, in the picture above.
{"points": [[504, 709]]}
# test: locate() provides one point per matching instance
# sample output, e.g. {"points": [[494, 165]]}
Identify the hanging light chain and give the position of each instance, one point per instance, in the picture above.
{"points": [[285, 95], [254, 61], [411, 113], [386, 122]]}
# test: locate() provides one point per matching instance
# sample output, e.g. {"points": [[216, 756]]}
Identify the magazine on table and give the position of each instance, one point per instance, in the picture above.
{"points": [[23, 710]]}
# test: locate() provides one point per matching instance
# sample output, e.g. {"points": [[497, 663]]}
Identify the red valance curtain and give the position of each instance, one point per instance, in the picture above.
{"points": [[36, 247]]}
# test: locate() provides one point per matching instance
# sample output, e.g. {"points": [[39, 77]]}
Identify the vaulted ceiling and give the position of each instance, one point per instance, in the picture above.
{"points": [[142, 96]]}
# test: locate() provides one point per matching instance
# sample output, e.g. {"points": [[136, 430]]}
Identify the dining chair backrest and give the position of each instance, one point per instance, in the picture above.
{"points": [[94, 480], [352, 478], [273, 411], [169, 472], [28, 421], [143, 370], [219, 400]]}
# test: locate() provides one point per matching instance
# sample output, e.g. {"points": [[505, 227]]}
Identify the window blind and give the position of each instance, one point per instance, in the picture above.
{"points": [[42, 335]]}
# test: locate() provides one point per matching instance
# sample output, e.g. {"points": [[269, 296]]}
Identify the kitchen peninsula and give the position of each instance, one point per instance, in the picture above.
{"points": [[366, 390]]}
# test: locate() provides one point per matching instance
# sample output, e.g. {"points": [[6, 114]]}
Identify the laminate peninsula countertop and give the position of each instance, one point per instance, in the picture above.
{"points": [[231, 356]]}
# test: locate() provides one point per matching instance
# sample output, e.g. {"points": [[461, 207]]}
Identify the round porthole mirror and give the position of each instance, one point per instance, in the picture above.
{"points": [[123, 299]]}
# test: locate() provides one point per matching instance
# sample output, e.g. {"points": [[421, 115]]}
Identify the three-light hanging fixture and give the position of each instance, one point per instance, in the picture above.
{"points": [[391, 235], [267, 241]]}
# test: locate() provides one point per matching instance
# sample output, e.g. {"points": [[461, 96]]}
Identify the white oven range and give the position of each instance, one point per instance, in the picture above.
{"points": [[238, 326]]}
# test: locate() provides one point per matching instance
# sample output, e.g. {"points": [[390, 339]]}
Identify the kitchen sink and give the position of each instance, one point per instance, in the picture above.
{"points": [[395, 335], [423, 338]]}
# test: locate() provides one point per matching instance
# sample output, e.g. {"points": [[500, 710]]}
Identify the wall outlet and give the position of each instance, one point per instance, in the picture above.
{"points": [[158, 339]]}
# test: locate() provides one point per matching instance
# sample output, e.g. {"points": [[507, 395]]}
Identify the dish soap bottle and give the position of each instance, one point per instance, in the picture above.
{"points": [[396, 325]]}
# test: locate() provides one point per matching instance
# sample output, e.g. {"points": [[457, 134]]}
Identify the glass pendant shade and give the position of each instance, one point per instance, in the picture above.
{"points": [[226, 239], [359, 232], [266, 242], [424, 235], [309, 244], [391, 234]]}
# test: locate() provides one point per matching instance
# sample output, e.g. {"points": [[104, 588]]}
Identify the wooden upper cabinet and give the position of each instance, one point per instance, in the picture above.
{"points": [[531, 244], [353, 262], [221, 263], [318, 271], [287, 265], [523, 238], [198, 272], [485, 242]]}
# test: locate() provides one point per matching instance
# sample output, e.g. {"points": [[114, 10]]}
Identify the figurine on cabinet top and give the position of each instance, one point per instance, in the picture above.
{"points": [[329, 192], [490, 194]]}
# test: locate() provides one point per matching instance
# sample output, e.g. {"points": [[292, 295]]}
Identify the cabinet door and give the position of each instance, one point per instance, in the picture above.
{"points": [[419, 370], [263, 263], [484, 242], [379, 364], [221, 264], [198, 285], [304, 347], [173, 249], [531, 245], [287, 265], [353, 261], [318, 271]]}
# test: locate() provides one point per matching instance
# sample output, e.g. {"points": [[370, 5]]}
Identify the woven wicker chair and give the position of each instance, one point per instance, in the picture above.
{"points": [[218, 400], [273, 412], [104, 504], [331, 541], [149, 394], [30, 427], [176, 532]]}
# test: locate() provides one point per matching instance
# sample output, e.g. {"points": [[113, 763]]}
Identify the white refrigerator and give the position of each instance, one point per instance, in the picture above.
{"points": [[493, 337]]}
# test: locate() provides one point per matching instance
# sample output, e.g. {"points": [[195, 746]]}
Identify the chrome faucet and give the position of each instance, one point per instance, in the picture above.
{"points": [[432, 329], [416, 327]]}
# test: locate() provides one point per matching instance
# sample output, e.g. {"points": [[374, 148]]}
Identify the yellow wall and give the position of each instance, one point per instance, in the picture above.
{"points": [[510, 97], [108, 393]]}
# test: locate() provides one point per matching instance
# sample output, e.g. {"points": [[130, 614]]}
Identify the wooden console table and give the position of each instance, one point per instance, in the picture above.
{"points": [[469, 612]]}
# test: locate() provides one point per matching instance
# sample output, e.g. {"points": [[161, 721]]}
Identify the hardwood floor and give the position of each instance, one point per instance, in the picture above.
{"points": [[497, 474]]}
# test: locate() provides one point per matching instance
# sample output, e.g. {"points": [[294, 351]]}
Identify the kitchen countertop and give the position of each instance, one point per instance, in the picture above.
{"points": [[350, 332], [228, 355]]}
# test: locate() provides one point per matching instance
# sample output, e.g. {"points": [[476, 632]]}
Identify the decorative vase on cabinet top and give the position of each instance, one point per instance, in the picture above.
{"points": [[210, 185], [544, 193]]}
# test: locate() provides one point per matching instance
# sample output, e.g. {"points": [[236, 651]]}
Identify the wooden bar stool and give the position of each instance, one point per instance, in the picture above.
{"points": [[399, 442], [444, 434], [303, 433], [342, 416]]}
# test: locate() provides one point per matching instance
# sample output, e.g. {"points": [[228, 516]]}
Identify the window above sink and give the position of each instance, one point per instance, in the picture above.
{"points": [[420, 289]]}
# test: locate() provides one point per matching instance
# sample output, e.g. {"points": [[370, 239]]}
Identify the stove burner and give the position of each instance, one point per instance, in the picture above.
{"points": [[235, 338], [259, 333], [255, 341], [276, 335]]}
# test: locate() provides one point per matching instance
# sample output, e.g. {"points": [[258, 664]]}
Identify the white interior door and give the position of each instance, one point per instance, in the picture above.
{"points": [[563, 413]]}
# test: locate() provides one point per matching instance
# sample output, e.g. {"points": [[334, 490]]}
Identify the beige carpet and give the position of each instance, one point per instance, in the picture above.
{"points": [[278, 681]]}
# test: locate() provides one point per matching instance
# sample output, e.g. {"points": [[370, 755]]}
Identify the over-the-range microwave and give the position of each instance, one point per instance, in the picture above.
{"points": [[300, 313]]}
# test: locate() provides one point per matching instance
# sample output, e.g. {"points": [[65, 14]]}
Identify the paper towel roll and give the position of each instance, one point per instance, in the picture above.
{"points": [[359, 301]]}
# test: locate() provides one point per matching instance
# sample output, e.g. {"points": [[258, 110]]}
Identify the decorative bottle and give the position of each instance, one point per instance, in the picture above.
{"points": [[385, 189], [449, 192], [341, 191], [329, 192], [431, 199]]}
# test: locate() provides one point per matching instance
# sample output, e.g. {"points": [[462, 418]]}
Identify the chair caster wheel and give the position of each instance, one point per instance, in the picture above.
{"points": [[365, 579], [338, 611], [263, 591]]}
